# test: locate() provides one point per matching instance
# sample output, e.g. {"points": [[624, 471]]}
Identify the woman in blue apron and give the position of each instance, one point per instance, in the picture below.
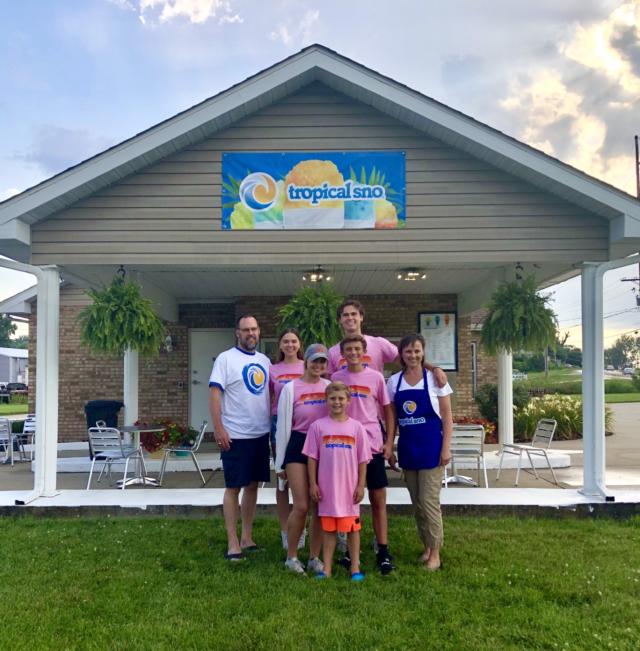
{"points": [[423, 414]]}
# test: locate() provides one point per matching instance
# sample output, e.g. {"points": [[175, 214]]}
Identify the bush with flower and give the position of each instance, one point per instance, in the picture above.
{"points": [[566, 411], [174, 435], [490, 429]]}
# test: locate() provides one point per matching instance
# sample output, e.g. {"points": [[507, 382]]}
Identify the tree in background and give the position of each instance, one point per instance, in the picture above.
{"points": [[624, 352], [7, 330]]}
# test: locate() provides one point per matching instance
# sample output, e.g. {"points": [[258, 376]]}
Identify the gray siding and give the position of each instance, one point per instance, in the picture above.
{"points": [[458, 208]]}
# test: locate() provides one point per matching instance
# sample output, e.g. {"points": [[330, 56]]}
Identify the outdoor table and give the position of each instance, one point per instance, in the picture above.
{"points": [[136, 430]]}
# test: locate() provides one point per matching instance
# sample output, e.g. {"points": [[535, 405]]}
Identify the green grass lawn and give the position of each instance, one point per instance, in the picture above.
{"points": [[163, 584], [616, 397], [11, 409], [556, 376]]}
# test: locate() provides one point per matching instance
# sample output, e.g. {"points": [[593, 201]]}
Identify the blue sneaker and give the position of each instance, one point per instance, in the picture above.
{"points": [[357, 577], [320, 575]]}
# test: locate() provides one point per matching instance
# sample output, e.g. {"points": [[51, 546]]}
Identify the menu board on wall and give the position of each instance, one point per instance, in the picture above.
{"points": [[440, 332]]}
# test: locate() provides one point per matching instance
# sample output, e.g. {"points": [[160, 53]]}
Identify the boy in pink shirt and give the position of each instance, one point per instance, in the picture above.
{"points": [[368, 398], [338, 451]]}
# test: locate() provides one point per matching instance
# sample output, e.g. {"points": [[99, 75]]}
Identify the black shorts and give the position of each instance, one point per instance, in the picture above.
{"points": [[376, 473], [293, 453], [246, 461]]}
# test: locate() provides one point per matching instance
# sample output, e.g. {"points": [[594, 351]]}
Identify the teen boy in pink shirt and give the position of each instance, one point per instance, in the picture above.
{"points": [[338, 451], [369, 397]]}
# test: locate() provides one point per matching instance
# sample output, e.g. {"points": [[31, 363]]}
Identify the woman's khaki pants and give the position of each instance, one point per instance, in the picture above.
{"points": [[424, 488]]}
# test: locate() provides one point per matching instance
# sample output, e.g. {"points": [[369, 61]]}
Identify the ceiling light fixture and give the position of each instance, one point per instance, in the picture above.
{"points": [[411, 275], [316, 275]]}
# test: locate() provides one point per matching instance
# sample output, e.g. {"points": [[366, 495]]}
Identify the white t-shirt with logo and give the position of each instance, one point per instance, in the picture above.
{"points": [[244, 380]]}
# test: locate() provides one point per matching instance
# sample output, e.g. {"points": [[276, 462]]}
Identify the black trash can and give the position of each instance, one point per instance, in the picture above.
{"points": [[106, 410]]}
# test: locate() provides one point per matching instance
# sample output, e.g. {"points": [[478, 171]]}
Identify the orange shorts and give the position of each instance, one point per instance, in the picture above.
{"points": [[343, 525]]}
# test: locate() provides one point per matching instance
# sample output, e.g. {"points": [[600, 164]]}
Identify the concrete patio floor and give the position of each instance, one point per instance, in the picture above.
{"points": [[622, 455]]}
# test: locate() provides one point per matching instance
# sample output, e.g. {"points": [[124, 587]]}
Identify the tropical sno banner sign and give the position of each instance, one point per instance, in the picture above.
{"points": [[313, 190]]}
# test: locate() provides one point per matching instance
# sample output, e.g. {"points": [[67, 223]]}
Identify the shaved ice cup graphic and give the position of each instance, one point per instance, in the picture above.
{"points": [[303, 214], [360, 214], [306, 218]]}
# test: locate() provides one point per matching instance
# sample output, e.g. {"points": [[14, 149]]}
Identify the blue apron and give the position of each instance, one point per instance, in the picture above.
{"points": [[420, 442]]}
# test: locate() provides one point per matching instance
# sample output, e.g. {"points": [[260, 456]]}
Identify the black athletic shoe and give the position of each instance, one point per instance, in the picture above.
{"points": [[384, 563], [345, 562]]}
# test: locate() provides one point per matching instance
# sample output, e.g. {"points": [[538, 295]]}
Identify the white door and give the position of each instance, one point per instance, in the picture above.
{"points": [[204, 347]]}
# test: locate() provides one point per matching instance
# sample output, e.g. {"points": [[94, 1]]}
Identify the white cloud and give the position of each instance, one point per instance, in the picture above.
{"points": [[300, 32], [9, 192], [593, 46], [196, 11], [235, 18], [567, 120]]}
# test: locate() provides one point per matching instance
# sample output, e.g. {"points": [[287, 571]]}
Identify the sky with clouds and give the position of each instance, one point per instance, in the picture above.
{"points": [[81, 75]]}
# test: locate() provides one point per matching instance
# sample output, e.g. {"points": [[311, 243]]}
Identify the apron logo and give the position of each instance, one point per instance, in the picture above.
{"points": [[409, 407]]}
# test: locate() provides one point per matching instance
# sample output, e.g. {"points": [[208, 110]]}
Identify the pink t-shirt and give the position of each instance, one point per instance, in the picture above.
{"points": [[279, 375], [339, 447], [368, 394], [379, 352], [309, 404]]}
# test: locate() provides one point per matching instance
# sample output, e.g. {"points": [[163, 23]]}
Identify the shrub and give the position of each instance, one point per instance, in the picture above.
{"points": [[618, 386], [565, 410], [490, 429], [636, 381], [487, 400]]}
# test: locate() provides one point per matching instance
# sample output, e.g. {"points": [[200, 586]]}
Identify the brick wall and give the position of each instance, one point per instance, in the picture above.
{"points": [[164, 380], [86, 376]]}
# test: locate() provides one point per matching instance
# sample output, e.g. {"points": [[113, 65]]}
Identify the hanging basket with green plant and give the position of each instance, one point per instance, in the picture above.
{"points": [[312, 311], [519, 319], [120, 318]]}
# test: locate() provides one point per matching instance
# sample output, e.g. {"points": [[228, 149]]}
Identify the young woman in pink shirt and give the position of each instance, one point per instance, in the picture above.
{"points": [[301, 403], [289, 366]]}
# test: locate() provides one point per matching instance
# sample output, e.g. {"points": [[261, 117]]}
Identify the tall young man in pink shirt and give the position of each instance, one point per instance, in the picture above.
{"points": [[380, 351], [368, 398]]}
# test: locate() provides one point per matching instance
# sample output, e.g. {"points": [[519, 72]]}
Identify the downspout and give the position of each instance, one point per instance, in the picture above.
{"points": [[593, 410], [47, 351]]}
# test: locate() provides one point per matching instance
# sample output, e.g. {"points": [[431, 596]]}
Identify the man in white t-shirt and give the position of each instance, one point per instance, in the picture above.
{"points": [[240, 412]]}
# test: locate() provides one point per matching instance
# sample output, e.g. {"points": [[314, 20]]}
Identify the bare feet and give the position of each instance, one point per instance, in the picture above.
{"points": [[433, 563], [424, 557]]}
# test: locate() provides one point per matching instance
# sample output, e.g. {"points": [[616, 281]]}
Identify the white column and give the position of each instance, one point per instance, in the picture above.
{"points": [[47, 365], [130, 386], [593, 381], [505, 397]]}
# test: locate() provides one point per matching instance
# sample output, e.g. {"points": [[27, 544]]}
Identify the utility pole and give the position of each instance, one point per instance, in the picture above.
{"points": [[635, 138], [635, 290]]}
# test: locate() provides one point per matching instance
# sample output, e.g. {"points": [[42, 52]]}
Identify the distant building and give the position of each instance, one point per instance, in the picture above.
{"points": [[14, 365]]}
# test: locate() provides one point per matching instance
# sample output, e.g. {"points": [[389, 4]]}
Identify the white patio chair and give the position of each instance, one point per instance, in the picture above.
{"points": [[28, 437], [192, 453], [539, 446], [6, 438], [467, 442], [106, 447]]}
